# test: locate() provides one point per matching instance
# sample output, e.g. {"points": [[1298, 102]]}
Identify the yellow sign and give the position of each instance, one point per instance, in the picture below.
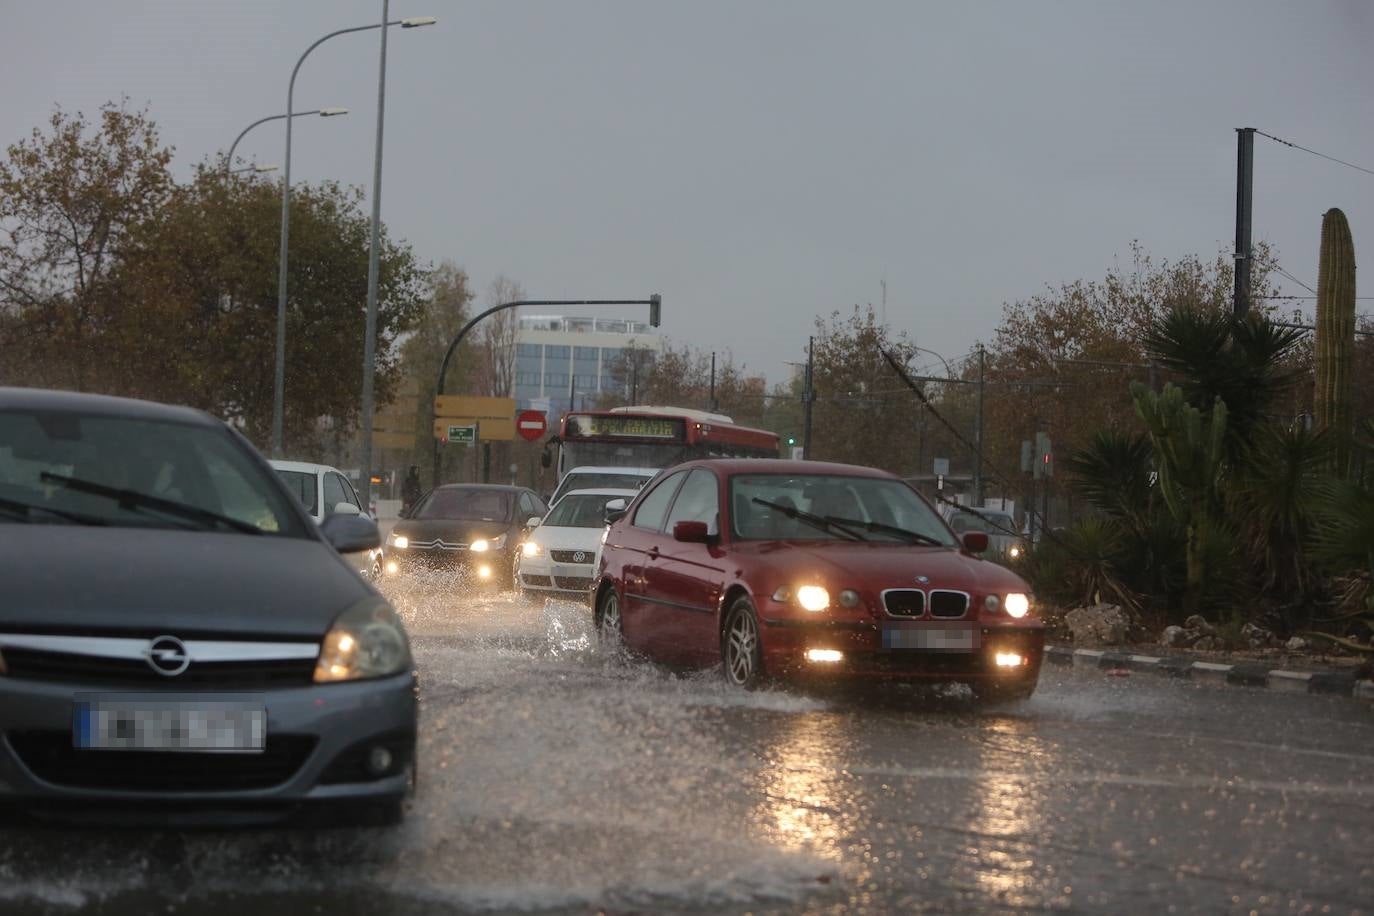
{"points": [[460, 406], [488, 429]]}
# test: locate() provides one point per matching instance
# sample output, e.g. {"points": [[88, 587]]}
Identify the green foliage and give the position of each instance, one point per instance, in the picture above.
{"points": [[1335, 334], [1343, 542], [1082, 565], [445, 309], [1113, 472]]}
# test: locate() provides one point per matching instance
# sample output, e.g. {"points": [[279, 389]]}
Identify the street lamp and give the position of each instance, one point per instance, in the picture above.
{"points": [[322, 112], [374, 260], [253, 168], [279, 386]]}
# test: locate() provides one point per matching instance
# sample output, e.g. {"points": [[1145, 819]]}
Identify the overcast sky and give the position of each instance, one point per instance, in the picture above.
{"points": [[760, 163]]}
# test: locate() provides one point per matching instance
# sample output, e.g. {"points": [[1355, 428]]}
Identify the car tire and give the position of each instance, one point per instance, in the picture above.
{"points": [[609, 623], [741, 649]]}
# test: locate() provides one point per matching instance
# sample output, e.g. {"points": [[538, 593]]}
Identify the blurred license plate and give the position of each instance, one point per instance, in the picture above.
{"points": [[931, 638], [154, 724]]}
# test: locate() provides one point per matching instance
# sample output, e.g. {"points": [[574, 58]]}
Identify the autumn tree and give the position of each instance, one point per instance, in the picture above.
{"points": [[69, 197], [680, 376], [496, 340]]}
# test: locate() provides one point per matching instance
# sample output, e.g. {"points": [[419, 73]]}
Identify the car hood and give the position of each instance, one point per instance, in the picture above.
{"points": [[874, 566], [186, 583], [587, 539], [454, 531]]}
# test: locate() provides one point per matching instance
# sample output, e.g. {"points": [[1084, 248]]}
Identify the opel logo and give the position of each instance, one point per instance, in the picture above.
{"points": [[580, 556], [167, 656], [923, 580]]}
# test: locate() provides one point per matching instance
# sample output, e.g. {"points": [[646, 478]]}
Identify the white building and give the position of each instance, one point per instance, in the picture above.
{"points": [[562, 361]]}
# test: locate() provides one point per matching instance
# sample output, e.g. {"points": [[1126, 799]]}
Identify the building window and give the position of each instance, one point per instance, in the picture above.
{"points": [[535, 350], [527, 378], [556, 351], [556, 379], [585, 353]]}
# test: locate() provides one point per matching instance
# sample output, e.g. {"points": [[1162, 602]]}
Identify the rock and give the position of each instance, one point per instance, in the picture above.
{"points": [[1197, 623], [1257, 637], [1099, 625], [1296, 644], [1208, 644], [1176, 638]]}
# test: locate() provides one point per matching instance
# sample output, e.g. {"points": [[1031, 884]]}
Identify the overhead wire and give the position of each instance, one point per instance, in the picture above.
{"points": [[1358, 168]]}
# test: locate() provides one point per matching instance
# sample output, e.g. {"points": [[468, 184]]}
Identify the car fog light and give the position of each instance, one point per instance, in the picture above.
{"points": [[484, 572], [379, 760], [1017, 604], [824, 655], [1009, 660], [391, 568], [1014, 552]]}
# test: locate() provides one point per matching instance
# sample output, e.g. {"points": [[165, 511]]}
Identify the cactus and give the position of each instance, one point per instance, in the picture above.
{"points": [[1335, 341]]}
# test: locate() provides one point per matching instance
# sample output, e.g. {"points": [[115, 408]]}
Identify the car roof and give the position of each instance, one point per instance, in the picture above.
{"points": [[305, 467], [731, 466], [590, 469], [503, 487], [600, 491], [103, 404]]}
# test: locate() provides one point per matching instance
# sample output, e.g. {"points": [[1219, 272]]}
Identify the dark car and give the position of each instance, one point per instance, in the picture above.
{"points": [[804, 568], [475, 529], [178, 639]]}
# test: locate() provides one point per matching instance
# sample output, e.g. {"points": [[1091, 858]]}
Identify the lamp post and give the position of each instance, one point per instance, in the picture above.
{"points": [[279, 385], [374, 266], [253, 168], [322, 112], [654, 302]]}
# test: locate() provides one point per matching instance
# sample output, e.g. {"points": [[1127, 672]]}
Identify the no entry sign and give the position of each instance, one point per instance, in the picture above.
{"points": [[530, 424]]}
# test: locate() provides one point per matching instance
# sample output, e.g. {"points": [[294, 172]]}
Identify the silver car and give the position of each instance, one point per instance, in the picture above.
{"points": [[178, 640]]}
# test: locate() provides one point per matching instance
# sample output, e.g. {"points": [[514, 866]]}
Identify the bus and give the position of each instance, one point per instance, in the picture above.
{"points": [[654, 437]]}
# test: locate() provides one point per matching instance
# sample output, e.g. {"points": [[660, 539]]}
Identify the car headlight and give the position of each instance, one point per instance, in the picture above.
{"points": [[531, 549], [1017, 604], [400, 541], [367, 640], [813, 597], [1014, 551], [482, 545]]}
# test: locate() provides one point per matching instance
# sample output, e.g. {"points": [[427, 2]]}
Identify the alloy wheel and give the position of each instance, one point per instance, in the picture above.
{"points": [[741, 647]]}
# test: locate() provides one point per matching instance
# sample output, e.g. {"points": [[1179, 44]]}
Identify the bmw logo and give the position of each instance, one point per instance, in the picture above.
{"points": [[923, 580]]}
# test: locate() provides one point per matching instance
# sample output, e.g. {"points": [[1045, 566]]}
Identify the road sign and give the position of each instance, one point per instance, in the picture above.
{"points": [[461, 435], [482, 408], [941, 467], [530, 424], [492, 430]]}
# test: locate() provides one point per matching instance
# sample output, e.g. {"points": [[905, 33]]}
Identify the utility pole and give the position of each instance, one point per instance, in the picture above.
{"points": [[711, 403], [634, 376], [807, 397], [1245, 168], [978, 432]]}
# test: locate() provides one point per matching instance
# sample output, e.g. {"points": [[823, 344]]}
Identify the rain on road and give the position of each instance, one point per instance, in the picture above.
{"points": [[559, 777]]}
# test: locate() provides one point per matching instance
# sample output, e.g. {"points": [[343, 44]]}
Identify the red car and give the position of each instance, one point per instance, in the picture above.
{"points": [[800, 567]]}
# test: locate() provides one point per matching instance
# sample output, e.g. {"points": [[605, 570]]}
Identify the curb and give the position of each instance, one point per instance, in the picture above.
{"points": [[1330, 683]]}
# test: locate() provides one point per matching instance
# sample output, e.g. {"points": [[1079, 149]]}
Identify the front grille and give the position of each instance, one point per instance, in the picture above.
{"points": [[436, 544], [536, 580], [571, 556], [50, 756], [573, 583], [905, 602], [67, 668], [948, 604]]}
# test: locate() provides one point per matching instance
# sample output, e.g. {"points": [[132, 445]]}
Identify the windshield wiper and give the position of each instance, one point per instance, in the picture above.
{"points": [[133, 500], [815, 521], [26, 510], [915, 537]]}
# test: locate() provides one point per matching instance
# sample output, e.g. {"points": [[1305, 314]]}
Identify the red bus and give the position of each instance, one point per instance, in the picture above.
{"points": [[655, 437]]}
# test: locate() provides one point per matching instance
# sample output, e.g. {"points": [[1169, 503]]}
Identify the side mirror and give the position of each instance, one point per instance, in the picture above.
{"points": [[345, 508], [533, 521], [691, 532], [615, 510], [351, 533], [976, 542], [545, 460]]}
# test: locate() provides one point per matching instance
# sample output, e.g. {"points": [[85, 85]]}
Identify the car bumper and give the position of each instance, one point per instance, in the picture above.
{"points": [[786, 644], [459, 562], [570, 580], [318, 742]]}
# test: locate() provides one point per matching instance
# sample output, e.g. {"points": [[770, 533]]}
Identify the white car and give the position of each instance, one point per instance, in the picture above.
{"points": [[325, 491], [559, 555], [603, 478]]}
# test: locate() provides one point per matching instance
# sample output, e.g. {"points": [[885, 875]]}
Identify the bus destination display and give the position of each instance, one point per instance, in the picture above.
{"points": [[588, 427]]}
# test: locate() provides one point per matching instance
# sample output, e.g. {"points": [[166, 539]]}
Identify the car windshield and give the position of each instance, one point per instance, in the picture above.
{"points": [[467, 504], [302, 486], [989, 522], [596, 480], [97, 469], [816, 507], [579, 510]]}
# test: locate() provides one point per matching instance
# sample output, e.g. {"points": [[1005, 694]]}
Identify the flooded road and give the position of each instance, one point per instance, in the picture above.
{"points": [[558, 777]]}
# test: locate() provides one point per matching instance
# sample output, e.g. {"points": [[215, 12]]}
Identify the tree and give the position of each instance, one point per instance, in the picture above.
{"points": [[496, 343], [197, 303], [681, 377], [69, 199]]}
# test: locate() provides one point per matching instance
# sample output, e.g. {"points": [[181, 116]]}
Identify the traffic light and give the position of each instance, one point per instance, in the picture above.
{"points": [[655, 310], [791, 440]]}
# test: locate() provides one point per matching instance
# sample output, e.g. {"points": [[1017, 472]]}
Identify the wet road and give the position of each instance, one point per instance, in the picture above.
{"points": [[556, 777]]}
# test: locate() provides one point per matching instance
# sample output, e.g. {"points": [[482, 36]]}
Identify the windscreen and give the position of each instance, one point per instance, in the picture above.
{"points": [[66, 467], [580, 510], [467, 505], [989, 522], [760, 503]]}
